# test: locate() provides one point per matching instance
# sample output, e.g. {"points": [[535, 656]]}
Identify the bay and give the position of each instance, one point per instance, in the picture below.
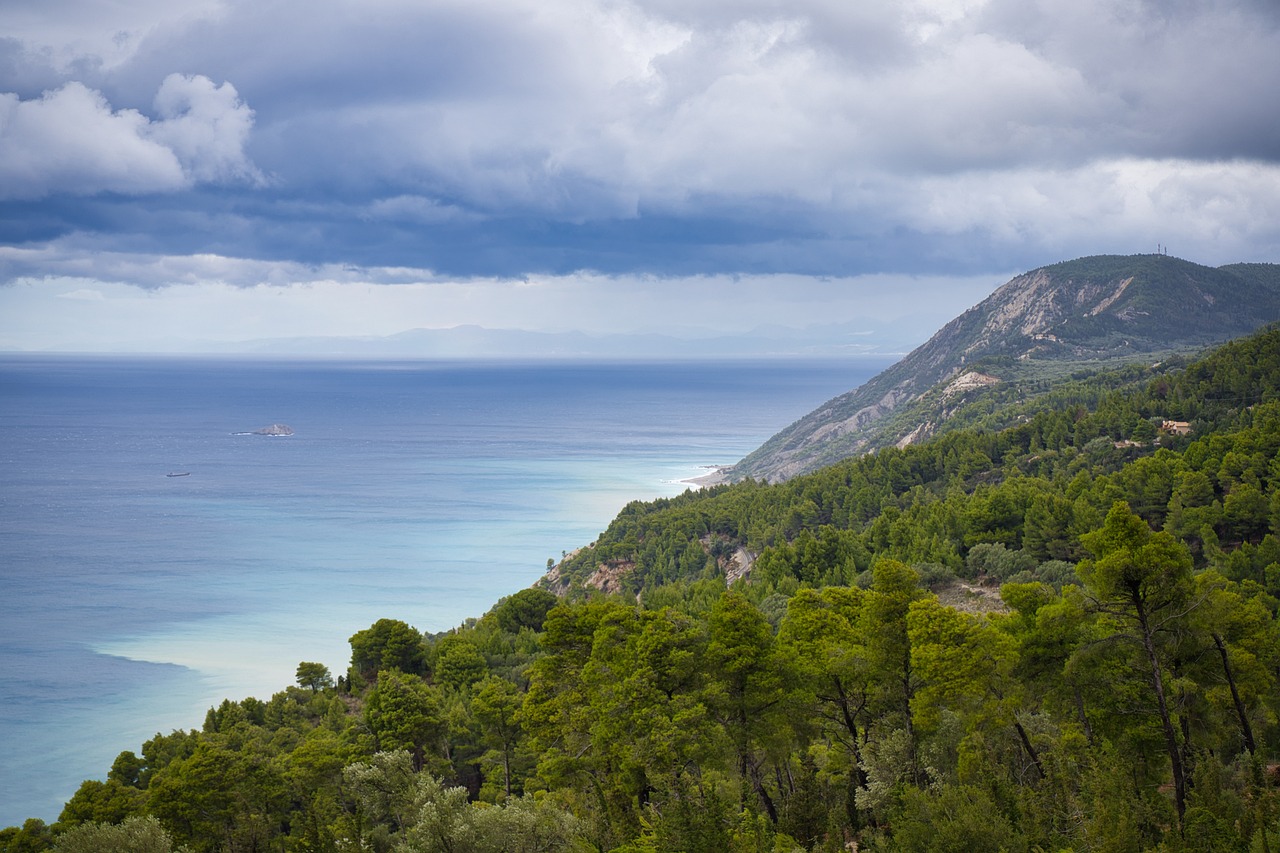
{"points": [[422, 491]]}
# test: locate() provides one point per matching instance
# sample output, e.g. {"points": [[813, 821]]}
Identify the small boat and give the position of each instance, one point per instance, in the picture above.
{"points": [[178, 474]]}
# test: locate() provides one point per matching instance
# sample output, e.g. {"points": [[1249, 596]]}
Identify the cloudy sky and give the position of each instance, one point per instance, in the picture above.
{"points": [[211, 170]]}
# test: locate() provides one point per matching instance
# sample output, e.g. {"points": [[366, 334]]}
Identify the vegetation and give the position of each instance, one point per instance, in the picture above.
{"points": [[1061, 635]]}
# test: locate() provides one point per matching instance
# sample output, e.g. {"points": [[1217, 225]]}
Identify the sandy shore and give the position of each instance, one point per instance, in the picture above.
{"points": [[716, 475]]}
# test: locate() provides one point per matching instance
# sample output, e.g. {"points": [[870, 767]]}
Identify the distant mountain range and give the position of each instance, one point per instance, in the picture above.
{"points": [[1043, 325], [825, 341]]}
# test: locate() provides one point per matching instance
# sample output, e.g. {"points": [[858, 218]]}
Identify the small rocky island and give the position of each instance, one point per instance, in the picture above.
{"points": [[274, 429]]}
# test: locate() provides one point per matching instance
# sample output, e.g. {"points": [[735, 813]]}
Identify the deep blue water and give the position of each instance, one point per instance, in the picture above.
{"points": [[420, 491]]}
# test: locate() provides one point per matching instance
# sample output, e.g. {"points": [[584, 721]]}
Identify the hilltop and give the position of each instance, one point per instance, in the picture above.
{"points": [[1033, 331]]}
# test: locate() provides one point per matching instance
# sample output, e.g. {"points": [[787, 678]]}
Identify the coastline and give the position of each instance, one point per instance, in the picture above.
{"points": [[718, 475], [386, 511]]}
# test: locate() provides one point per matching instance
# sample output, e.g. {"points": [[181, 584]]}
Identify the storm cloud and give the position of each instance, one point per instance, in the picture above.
{"points": [[514, 137]]}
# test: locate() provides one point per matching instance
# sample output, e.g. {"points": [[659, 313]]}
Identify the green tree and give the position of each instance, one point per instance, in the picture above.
{"points": [[34, 836], [134, 835], [615, 711], [1046, 528], [494, 706], [403, 713], [997, 561], [953, 819], [823, 635], [965, 665], [227, 795], [746, 687], [161, 751], [894, 680], [1144, 431], [416, 813], [1142, 581], [314, 676], [126, 769], [313, 776], [1246, 513], [388, 644], [527, 608], [383, 791], [649, 724], [458, 662], [1046, 628], [525, 825], [1234, 647], [1193, 507], [102, 802]]}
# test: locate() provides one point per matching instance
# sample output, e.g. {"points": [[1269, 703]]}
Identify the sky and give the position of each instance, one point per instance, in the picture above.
{"points": [[176, 173]]}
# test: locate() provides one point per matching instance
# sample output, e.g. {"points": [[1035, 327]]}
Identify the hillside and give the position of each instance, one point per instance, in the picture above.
{"points": [[1098, 424], [1031, 332]]}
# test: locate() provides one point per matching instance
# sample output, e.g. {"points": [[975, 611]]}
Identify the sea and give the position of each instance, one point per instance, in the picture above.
{"points": [[158, 555]]}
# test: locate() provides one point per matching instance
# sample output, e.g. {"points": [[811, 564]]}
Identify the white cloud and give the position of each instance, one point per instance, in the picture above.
{"points": [[71, 141], [66, 259], [206, 127], [1214, 213]]}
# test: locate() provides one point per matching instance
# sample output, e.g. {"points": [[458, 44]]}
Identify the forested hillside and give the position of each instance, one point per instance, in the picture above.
{"points": [[1058, 635]]}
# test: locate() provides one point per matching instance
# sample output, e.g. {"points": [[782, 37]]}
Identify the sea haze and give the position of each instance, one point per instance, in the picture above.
{"points": [[421, 491]]}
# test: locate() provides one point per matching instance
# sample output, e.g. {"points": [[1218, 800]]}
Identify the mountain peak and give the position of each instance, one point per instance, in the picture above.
{"points": [[1052, 319]]}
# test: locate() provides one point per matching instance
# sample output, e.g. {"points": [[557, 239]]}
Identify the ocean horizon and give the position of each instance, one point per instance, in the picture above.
{"points": [[417, 490]]}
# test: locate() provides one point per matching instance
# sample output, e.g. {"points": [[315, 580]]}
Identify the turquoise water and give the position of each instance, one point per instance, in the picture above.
{"points": [[420, 491]]}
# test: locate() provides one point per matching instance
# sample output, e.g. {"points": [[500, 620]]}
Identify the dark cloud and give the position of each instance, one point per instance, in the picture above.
{"points": [[290, 58], [500, 138], [1171, 79], [27, 72]]}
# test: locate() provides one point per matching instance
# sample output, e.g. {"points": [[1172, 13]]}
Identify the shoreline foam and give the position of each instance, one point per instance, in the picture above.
{"points": [[718, 475]]}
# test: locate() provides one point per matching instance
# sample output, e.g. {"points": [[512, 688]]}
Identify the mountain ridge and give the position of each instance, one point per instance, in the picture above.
{"points": [[1040, 325]]}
